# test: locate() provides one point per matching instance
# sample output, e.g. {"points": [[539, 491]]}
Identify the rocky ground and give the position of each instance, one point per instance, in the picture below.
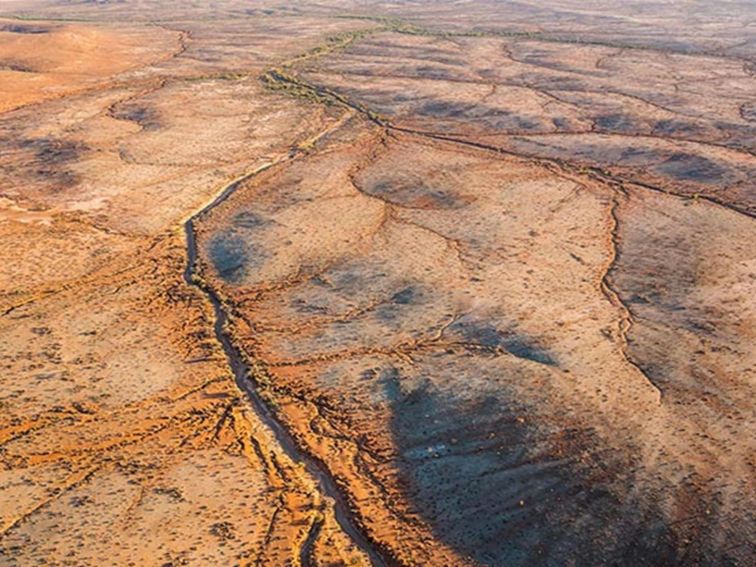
{"points": [[353, 283]]}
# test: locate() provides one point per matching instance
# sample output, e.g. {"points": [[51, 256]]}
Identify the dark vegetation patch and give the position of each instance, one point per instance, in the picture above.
{"points": [[668, 44], [550, 82], [550, 60], [51, 151], [342, 284], [31, 29], [148, 118], [631, 155], [260, 11], [562, 124], [512, 341], [223, 531], [356, 278], [690, 167], [658, 268], [405, 296], [748, 111], [678, 127], [249, 219], [395, 310], [232, 256], [14, 66], [312, 307], [507, 492], [433, 73], [658, 275], [492, 117], [414, 192], [43, 159], [628, 153], [617, 123]]}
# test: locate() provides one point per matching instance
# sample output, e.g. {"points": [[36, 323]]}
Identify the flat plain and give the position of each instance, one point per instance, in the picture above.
{"points": [[377, 283]]}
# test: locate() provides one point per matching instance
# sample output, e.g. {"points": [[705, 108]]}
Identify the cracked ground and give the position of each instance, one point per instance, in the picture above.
{"points": [[377, 283]]}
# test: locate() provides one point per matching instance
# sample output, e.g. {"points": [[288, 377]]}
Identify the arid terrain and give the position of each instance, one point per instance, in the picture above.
{"points": [[351, 282]]}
